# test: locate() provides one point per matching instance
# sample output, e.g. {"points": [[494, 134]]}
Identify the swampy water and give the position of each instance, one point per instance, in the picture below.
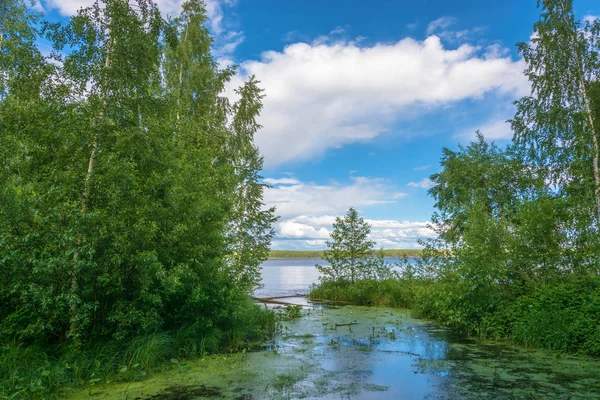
{"points": [[349, 352]]}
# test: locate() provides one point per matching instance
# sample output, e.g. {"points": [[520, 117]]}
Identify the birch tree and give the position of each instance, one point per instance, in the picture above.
{"points": [[555, 124]]}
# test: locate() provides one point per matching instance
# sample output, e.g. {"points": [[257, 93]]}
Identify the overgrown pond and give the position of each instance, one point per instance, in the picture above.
{"points": [[384, 354]]}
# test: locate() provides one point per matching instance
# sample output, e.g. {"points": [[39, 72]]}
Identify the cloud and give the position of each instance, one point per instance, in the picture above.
{"points": [[422, 168], [425, 183], [295, 230], [440, 24], [313, 199], [304, 232], [496, 129], [324, 95], [440, 27], [338, 31], [308, 211], [590, 18], [167, 7], [281, 181], [227, 43], [412, 26]]}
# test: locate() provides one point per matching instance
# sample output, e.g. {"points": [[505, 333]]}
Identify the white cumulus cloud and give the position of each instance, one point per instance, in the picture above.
{"points": [[308, 211], [281, 181], [326, 94], [314, 199]]}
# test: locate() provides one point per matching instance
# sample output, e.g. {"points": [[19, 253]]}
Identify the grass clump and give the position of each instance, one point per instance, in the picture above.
{"points": [[369, 292], [43, 371]]}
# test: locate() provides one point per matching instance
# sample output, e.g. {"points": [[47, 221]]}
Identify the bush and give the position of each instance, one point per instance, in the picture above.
{"points": [[562, 317], [42, 371], [369, 292]]}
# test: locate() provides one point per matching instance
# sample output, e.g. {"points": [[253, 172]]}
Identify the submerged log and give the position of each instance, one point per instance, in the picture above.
{"points": [[284, 297], [275, 301]]}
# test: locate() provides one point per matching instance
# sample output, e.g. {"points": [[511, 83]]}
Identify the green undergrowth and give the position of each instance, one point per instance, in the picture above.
{"points": [[43, 371], [369, 292], [560, 316]]}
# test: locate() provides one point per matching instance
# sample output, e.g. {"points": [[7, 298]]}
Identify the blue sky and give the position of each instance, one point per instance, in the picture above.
{"points": [[362, 96]]}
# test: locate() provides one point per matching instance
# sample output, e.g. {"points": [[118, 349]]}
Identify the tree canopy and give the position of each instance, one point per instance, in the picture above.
{"points": [[131, 196]]}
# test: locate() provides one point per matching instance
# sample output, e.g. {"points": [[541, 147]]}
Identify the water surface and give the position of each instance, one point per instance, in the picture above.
{"points": [[288, 276], [350, 352]]}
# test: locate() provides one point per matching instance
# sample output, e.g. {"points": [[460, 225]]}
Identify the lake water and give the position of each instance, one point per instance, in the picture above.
{"points": [[289, 276], [389, 354]]}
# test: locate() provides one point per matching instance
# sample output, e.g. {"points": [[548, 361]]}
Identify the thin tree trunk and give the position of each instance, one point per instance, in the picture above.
{"points": [[4, 12], [596, 155], [181, 75], [86, 193], [596, 149], [240, 267], [2, 31]]}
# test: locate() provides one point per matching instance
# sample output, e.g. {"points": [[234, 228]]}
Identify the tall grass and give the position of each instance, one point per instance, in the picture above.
{"points": [[370, 292], [38, 371]]}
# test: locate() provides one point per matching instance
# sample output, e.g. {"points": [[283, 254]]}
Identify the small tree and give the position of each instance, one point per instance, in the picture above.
{"points": [[350, 253]]}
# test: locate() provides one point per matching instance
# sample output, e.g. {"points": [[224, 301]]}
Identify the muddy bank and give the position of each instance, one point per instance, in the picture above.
{"points": [[368, 353]]}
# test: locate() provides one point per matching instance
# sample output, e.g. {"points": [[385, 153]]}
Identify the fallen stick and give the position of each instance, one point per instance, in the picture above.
{"points": [[273, 301], [348, 324]]}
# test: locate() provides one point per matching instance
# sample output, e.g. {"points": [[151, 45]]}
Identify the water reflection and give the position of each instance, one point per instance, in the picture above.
{"points": [[285, 277], [288, 276], [388, 354]]}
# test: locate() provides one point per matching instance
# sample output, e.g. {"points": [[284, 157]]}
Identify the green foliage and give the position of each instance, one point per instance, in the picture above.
{"points": [[520, 224], [562, 317], [289, 312], [370, 292], [250, 225], [43, 371], [121, 167], [350, 252], [556, 127]]}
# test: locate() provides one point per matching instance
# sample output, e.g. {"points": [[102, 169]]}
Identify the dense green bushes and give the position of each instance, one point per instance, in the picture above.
{"points": [[131, 215], [561, 317], [42, 370]]}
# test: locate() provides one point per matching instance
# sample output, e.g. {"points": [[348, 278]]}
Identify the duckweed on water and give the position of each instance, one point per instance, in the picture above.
{"points": [[382, 354]]}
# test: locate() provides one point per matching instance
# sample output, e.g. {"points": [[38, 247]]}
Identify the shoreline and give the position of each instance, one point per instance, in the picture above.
{"points": [[318, 254]]}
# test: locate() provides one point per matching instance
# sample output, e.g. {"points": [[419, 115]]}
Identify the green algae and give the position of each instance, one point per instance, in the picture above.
{"points": [[371, 353]]}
